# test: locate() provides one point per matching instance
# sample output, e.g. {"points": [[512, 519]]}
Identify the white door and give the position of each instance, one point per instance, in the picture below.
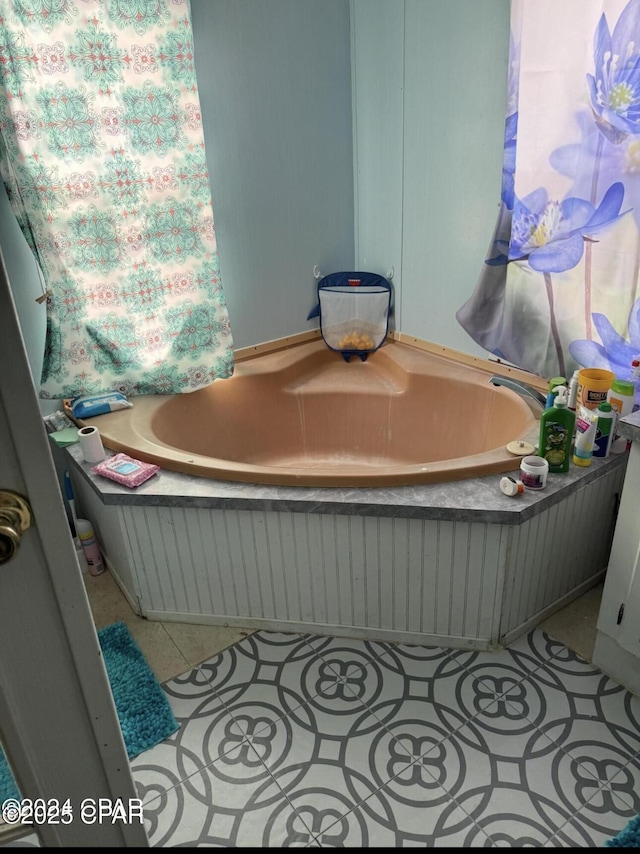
{"points": [[621, 595], [617, 647], [58, 723]]}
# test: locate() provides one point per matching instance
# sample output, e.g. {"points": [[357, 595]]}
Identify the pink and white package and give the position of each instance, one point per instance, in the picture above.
{"points": [[126, 470]]}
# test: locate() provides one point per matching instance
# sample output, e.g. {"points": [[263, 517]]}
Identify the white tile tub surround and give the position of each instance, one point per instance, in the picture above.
{"points": [[456, 564]]}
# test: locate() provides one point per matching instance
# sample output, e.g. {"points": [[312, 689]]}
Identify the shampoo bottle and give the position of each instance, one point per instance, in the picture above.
{"points": [[586, 425], [90, 546], [573, 390], [605, 429], [556, 433]]}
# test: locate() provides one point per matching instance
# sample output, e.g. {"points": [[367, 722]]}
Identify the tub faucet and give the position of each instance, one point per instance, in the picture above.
{"points": [[521, 388]]}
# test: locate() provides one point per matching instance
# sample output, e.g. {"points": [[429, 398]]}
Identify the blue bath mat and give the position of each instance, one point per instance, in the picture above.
{"points": [[144, 712], [627, 838]]}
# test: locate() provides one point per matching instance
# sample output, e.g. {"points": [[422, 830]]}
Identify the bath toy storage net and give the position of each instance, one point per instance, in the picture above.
{"points": [[353, 309]]}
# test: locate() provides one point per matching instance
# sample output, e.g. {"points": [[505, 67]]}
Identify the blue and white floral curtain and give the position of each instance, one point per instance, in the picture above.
{"points": [[102, 154], [559, 288]]}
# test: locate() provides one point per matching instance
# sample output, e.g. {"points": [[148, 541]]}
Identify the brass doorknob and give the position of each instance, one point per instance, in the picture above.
{"points": [[15, 519]]}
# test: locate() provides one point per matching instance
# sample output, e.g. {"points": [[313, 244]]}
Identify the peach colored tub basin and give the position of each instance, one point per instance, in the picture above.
{"points": [[303, 416]]}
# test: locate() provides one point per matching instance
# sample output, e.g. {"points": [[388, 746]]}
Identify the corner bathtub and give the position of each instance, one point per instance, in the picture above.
{"points": [[324, 507], [303, 416]]}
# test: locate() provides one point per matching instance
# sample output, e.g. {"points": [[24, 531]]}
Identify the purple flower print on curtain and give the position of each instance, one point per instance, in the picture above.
{"points": [[617, 162], [102, 153], [614, 92], [614, 87], [575, 177], [615, 353], [550, 236]]}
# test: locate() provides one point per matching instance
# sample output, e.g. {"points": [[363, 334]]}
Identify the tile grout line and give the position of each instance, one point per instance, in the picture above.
{"points": [[364, 707], [246, 741], [180, 653], [450, 656], [282, 664], [363, 667], [467, 722], [449, 796], [504, 698], [596, 671], [602, 784], [583, 807]]}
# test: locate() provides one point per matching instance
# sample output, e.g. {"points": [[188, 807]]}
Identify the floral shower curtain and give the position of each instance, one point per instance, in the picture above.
{"points": [[559, 287], [102, 154]]}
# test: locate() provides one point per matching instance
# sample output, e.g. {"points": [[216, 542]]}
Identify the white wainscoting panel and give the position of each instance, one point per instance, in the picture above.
{"points": [[559, 551], [436, 578], [459, 583]]}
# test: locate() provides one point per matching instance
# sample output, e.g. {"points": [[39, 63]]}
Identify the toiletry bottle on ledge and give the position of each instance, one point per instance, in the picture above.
{"points": [[556, 432], [87, 537], [621, 397], [554, 384], [605, 429], [573, 391], [586, 424]]}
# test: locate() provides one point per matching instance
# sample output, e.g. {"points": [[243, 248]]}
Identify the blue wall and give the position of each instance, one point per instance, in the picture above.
{"points": [[430, 97], [412, 91], [274, 78]]}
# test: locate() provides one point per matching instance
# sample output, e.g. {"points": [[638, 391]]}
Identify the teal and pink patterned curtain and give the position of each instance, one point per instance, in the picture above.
{"points": [[559, 287], [102, 154]]}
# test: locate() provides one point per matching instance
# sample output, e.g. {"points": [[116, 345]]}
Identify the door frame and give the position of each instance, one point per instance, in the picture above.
{"points": [[58, 720]]}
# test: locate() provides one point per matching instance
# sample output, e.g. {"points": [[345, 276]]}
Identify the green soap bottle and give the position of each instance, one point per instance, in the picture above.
{"points": [[557, 424]]}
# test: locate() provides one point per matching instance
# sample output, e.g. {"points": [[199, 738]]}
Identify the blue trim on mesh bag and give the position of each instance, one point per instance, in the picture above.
{"points": [[355, 280]]}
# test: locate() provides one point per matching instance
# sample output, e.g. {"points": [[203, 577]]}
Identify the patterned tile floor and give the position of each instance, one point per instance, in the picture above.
{"points": [[311, 741], [299, 740]]}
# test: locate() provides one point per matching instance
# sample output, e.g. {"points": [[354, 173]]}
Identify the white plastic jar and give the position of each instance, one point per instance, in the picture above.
{"points": [[533, 472]]}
